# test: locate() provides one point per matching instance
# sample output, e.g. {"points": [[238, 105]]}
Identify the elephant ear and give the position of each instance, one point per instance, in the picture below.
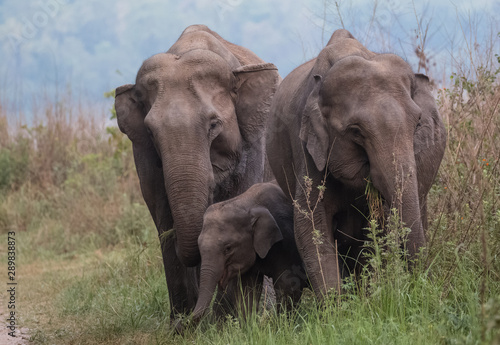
{"points": [[256, 85], [430, 130], [130, 114], [313, 127], [266, 231]]}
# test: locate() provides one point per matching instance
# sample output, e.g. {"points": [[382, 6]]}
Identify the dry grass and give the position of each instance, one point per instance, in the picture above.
{"points": [[464, 205], [69, 182]]}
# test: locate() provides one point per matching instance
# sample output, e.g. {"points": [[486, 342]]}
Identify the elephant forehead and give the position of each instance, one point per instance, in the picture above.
{"points": [[217, 234], [226, 217], [360, 80], [196, 64], [352, 72]]}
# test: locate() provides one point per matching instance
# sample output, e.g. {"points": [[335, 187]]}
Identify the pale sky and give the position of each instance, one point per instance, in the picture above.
{"points": [[94, 46]]}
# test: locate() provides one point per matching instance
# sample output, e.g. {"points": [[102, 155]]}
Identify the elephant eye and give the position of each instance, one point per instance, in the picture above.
{"points": [[138, 95], [214, 126], [356, 131], [227, 249]]}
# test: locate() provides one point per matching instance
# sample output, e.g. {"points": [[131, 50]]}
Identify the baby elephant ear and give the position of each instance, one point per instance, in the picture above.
{"points": [[255, 88], [266, 231]]}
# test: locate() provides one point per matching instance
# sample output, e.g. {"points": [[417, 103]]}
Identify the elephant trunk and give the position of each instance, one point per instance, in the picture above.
{"points": [[188, 174], [188, 183], [397, 182], [210, 273]]}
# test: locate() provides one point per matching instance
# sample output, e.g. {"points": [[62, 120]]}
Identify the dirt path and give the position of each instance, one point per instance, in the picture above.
{"points": [[21, 333]]}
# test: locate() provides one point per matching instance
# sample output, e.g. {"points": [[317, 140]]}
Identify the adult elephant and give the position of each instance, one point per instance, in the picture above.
{"points": [[196, 117], [341, 118]]}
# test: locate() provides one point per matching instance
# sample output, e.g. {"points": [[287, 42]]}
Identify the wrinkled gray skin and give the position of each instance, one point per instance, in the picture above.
{"points": [[245, 238], [351, 114], [196, 118]]}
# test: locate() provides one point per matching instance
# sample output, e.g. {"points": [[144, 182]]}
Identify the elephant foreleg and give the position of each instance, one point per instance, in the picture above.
{"points": [[315, 242], [182, 282]]}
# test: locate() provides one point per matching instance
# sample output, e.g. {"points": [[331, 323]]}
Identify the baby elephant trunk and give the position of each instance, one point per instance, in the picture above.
{"points": [[211, 272]]}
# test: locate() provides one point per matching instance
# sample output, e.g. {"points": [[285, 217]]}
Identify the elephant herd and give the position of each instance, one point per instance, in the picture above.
{"points": [[212, 125]]}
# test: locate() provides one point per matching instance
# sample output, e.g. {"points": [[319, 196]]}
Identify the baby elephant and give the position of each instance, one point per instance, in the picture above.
{"points": [[242, 240]]}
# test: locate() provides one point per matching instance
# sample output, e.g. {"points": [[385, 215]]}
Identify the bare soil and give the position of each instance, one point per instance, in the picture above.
{"points": [[21, 333]]}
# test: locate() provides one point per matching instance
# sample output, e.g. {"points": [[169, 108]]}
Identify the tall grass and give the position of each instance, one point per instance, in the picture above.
{"points": [[70, 184], [90, 267], [464, 204]]}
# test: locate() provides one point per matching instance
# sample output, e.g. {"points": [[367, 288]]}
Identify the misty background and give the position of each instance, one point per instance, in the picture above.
{"points": [[59, 49]]}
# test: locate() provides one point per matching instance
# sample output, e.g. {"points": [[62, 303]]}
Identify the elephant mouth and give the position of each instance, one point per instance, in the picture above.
{"points": [[224, 279], [218, 168], [354, 175]]}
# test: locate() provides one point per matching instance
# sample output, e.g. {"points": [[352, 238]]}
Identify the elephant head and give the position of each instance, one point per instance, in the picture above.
{"points": [[363, 119], [231, 239], [196, 118]]}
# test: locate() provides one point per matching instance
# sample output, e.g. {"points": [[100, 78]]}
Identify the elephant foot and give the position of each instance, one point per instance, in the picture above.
{"points": [[178, 326], [181, 324]]}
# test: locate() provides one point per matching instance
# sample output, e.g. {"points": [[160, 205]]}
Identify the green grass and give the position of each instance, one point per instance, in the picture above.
{"points": [[123, 297], [89, 266]]}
